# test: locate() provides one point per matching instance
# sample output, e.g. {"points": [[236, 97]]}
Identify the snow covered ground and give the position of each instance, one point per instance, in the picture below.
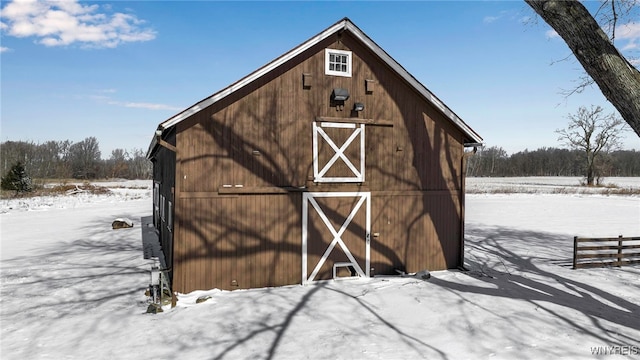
{"points": [[73, 288], [549, 185]]}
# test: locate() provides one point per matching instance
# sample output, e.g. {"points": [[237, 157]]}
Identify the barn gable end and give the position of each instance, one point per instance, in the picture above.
{"points": [[276, 180]]}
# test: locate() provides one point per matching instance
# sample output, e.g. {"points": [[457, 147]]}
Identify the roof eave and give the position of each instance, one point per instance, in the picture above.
{"points": [[473, 136], [344, 24], [251, 77]]}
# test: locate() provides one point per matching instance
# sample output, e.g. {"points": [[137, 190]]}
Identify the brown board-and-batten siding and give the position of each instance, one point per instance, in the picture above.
{"points": [[245, 163], [252, 246]]}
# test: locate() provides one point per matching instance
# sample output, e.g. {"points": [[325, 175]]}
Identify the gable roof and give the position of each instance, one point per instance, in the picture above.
{"points": [[343, 25]]}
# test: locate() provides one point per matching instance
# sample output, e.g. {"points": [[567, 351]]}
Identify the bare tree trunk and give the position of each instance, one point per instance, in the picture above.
{"points": [[590, 175], [618, 80]]}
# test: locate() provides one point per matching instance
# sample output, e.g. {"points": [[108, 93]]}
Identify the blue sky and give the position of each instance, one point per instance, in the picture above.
{"points": [[116, 69]]}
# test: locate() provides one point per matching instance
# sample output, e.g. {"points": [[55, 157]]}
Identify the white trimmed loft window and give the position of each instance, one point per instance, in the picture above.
{"points": [[337, 62], [324, 160]]}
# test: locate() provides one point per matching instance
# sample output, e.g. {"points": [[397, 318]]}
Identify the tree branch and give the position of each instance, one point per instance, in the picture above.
{"points": [[618, 80]]}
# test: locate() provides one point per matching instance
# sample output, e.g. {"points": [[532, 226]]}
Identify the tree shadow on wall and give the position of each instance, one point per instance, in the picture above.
{"points": [[279, 164]]}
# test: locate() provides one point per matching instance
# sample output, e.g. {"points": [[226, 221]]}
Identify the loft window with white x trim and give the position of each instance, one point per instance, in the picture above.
{"points": [[321, 168]]}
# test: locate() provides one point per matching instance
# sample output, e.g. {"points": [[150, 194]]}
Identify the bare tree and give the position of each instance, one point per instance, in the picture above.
{"points": [[117, 166], [616, 77], [594, 134], [139, 166], [65, 159], [64, 166], [85, 158], [488, 161]]}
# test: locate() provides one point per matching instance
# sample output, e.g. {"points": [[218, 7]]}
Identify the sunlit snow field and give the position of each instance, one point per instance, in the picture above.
{"points": [[73, 288], [549, 185]]}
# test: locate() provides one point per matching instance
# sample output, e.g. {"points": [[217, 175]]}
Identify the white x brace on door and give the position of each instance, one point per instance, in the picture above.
{"points": [[310, 198], [356, 166]]}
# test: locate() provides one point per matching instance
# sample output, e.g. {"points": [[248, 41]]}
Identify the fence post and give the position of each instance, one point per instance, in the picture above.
{"points": [[619, 250], [575, 251]]}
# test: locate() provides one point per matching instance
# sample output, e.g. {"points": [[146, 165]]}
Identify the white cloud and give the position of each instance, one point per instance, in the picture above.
{"points": [[631, 45], [526, 19], [61, 23], [630, 33], [490, 19], [103, 96], [505, 15], [106, 97], [551, 34], [148, 106], [4, 49]]}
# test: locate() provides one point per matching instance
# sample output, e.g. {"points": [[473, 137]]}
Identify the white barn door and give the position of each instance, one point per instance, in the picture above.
{"points": [[336, 232]]}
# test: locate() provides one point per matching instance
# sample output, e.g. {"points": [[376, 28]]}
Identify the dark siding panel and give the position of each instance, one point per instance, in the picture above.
{"points": [[261, 136], [248, 241], [264, 139], [164, 176], [416, 232]]}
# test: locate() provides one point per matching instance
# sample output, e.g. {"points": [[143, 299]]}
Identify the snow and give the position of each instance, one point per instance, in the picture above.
{"points": [[548, 185], [73, 288]]}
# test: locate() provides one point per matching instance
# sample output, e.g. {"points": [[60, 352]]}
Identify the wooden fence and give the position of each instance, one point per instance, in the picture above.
{"points": [[599, 252]]}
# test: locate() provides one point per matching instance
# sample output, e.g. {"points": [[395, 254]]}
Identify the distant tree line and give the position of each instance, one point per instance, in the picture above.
{"points": [[494, 161], [82, 160], [69, 160]]}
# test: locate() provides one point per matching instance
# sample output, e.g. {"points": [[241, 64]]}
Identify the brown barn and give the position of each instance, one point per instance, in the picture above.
{"points": [[330, 161]]}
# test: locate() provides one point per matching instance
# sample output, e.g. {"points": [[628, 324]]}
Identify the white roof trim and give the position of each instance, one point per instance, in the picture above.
{"points": [[412, 81], [250, 78], [344, 24]]}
